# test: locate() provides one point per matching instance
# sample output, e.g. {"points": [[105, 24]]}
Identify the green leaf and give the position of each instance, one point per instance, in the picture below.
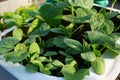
{"points": [[18, 33], [31, 68], [50, 53], [16, 56], [20, 47], [49, 42], [98, 65], [70, 72], [9, 22], [81, 12], [75, 19], [41, 66], [57, 63], [109, 54], [33, 25], [58, 41], [97, 37], [42, 30], [60, 30], [7, 44], [112, 14], [82, 3], [43, 59], [18, 19], [98, 22], [73, 44], [52, 13], [34, 48], [69, 59], [108, 26], [88, 56]]}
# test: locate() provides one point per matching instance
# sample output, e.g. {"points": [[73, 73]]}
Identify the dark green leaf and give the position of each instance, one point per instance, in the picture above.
{"points": [[112, 14], [50, 53], [31, 68], [58, 41], [49, 42], [42, 30], [73, 44], [51, 13], [97, 37]]}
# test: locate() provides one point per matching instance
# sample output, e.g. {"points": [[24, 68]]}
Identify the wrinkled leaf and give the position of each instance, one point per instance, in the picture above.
{"points": [[51, 13], [16, 56], [20, 47], [82, 3], [7, 44], [42, 30]]}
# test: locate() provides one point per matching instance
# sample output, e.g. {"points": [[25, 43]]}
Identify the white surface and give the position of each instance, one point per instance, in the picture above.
{"points": [[12, 5]]}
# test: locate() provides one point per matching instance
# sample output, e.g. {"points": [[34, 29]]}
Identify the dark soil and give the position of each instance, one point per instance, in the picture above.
{"points": [[118, 78]]}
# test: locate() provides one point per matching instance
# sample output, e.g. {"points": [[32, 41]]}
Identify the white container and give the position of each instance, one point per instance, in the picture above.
{"points": [[12, 5], [111, 72]]}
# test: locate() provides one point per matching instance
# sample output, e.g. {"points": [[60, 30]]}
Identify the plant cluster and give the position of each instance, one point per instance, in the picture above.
{"points": [[62, 38]]}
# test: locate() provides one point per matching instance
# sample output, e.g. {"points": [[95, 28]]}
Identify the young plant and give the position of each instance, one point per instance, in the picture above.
{"points": [[65, 38]]}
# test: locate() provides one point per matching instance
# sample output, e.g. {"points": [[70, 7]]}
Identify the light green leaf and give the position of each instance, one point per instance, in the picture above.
{"points": [[75, 19], [57, 63], [82, 3], [88, 56], [43, 59], [20, 47], [98, 65], [50, 53], [70, 73], [31, 68], [73, 44], [7, 44], [18, 33], [33, 25], [34, 48], [81, 12], [42, 30], [16, 56]]}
